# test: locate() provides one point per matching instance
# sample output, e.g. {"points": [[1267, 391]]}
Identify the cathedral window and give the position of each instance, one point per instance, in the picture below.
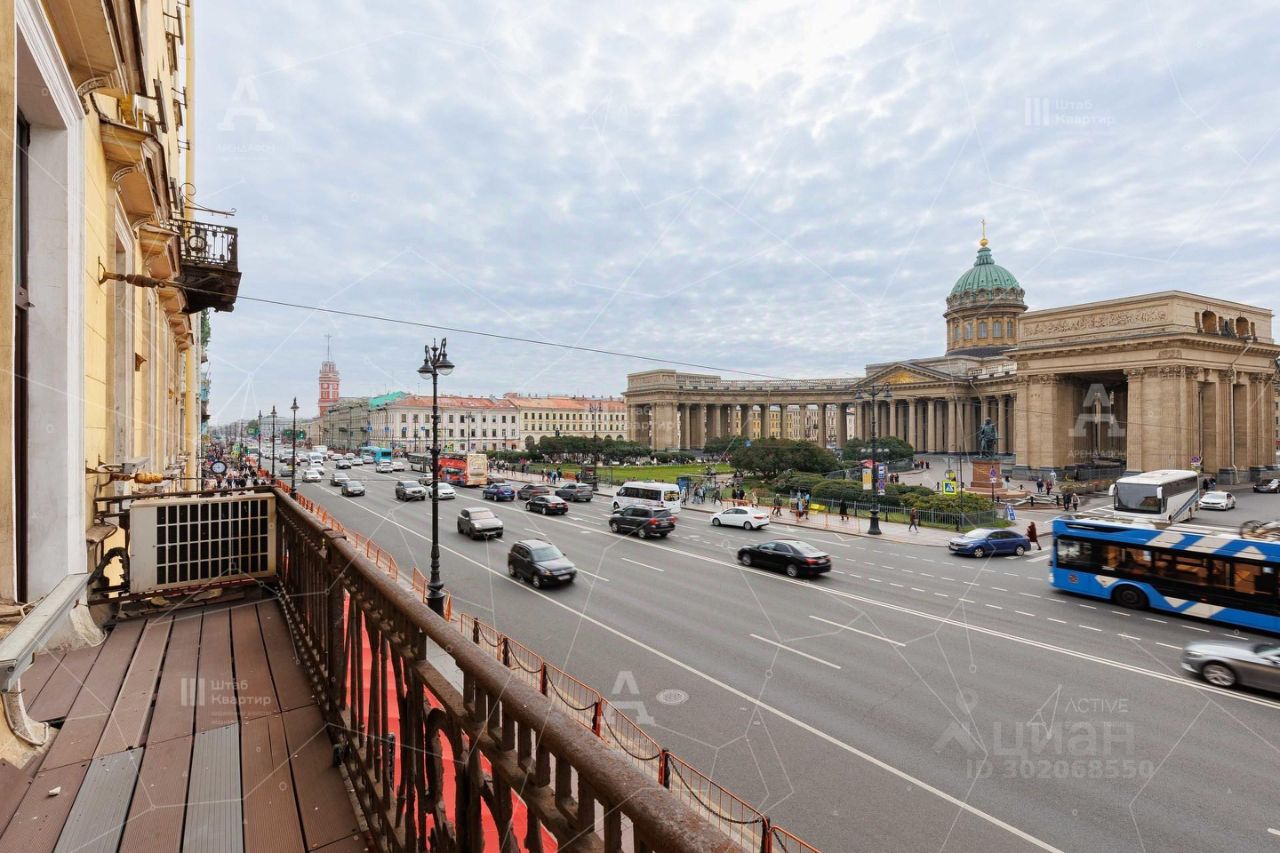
{"points": [[982, 328], [968, 331]]}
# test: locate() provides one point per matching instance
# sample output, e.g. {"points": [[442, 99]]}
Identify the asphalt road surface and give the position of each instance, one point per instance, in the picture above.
{"points": [[908, 701]]}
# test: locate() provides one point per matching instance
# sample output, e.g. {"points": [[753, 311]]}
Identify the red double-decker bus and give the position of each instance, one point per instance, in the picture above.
{"points": [[456, 469]]}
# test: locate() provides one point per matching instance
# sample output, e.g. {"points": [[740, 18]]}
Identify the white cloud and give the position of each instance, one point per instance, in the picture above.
{"points": [[786, 188]]}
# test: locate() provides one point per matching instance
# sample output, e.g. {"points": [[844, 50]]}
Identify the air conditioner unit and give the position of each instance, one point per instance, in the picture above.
{"points": [[175, 542]]}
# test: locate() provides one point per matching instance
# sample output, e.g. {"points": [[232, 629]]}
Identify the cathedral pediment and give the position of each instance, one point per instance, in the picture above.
{"points": [[904, 373]]}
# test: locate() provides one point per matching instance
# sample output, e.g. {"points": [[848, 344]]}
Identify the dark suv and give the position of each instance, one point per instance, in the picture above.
{"points": [[643, 522], [540, 563], [532, 490], [575, 492]]}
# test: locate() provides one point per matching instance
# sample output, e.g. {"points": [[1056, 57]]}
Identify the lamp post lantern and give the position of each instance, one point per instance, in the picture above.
{"points": [[293, 472], [435, 364], [874, 393]]}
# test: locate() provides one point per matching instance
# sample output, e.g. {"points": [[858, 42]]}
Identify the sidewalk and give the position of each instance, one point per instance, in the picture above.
{"points": [[890, 530]]}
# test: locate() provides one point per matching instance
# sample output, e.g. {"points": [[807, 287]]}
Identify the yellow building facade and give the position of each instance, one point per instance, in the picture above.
{"points": [[106, 268]]}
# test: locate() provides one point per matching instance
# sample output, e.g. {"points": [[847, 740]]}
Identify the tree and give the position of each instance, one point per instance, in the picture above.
{"points": [[889, 448], [723, 444], [769, 457]]}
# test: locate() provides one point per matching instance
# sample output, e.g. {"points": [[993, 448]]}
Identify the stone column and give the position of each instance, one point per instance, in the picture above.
{"points": [[1135, 430], [893, 417], [824, 431], [913, 431], [953, 425], [666, 425], [842, 426], [1002, 423]]}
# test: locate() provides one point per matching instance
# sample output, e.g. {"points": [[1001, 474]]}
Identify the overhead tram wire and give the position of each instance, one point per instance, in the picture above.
{"points": [[463, 331]]}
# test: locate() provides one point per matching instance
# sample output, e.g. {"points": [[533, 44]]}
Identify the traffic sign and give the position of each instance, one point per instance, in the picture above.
{"points": [[948, 487], [1009, 513]]}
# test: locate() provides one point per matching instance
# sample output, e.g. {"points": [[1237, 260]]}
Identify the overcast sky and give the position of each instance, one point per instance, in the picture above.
{"points": [[781, 188]]}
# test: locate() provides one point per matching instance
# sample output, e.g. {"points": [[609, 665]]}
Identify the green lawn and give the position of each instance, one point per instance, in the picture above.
{"points": [[658, 473]]}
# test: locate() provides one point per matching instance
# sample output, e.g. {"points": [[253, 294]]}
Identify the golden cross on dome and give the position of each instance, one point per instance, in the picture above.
{"points": [[983, 241]]}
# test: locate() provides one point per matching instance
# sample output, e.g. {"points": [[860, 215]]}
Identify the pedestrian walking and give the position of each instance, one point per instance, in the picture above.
{"points": [[843, 506], [915, 521], [1034, 536], [777, 506], [1075, 503]]}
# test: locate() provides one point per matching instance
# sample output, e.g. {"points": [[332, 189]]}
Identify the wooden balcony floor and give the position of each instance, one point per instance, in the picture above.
{"points": [[194, 731]]}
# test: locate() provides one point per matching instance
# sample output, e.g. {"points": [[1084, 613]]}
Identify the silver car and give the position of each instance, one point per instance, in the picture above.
{"points": [[1227, 663]]}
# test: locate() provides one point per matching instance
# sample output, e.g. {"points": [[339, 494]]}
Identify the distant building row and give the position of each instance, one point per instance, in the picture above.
{"points": [[510, 422]]}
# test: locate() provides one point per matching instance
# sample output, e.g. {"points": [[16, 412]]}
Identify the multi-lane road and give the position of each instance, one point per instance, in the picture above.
{"points": [[909, 700]]}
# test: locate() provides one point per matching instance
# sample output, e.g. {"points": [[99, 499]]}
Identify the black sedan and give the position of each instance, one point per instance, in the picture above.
{"points": [[790, 555], [547, 505], [540, 563], [1271, 487]]}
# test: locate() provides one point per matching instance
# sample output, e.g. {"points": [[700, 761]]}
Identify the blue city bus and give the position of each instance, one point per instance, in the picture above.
{"points": [[379, 454], [1212, 573]]}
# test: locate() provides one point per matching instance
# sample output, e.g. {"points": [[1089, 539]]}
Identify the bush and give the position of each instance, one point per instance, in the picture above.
{"points": [[965, 502], [888, 449]]}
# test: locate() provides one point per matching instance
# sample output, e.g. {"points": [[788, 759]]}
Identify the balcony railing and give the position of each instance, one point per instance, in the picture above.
{"points": [[210, 265]]}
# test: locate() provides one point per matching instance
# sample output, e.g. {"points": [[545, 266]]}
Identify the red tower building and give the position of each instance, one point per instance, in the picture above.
{"points": [[328, 380]]}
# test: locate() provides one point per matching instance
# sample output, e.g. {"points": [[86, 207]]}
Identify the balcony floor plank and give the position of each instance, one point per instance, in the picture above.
{"points": [[323, 801], [214, 814], [175, 699], [88, 716], [97, 820], [38, 822], [60, 691], [270, 810], [255, 692], [215, 684], [292, 688], [159, 801], [132, 712], [42, 668]]}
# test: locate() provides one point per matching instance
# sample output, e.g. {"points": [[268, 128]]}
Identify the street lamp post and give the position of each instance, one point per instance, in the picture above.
{"points": [[293, 472], [874, 393], [273, 443], [435, 364]]}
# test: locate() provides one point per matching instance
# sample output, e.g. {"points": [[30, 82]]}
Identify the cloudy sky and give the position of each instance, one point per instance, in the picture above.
{"points": [[783, 188]]}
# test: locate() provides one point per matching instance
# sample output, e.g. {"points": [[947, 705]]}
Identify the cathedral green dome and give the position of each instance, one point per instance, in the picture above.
{"points": [[986, 281]]}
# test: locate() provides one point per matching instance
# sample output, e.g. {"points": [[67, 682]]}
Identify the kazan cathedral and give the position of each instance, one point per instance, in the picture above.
{"points": [[1162, 380]]}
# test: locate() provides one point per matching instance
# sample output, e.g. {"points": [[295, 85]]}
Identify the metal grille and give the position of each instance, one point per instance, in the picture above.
{"points": [[194, 540]]}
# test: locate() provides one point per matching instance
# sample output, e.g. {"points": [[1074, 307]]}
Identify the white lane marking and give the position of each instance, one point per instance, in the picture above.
{"points": [[796, 651], [993, 606], [1024, 613], [1038, 558], [898, 585], [856, 631], [638, 563], [927, 560], [1030, 595], [1090, 606], [926, 575], [1089, 628], [856, 575], [1150, 619], [1121, 613], [942, 595], [876, 580], [1128, 636], [1194, 628], [1000, 588], [1273, 831], [967, 600], [1167, 646], [1012, 575], [917, 589], [1059, 621]]}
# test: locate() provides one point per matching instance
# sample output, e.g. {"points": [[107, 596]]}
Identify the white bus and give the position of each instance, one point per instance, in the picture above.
{"points": [[1171, 495], [645, 493]]}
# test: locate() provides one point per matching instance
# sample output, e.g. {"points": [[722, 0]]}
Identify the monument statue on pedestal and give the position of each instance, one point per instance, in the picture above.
{"points": [[987, 436]]}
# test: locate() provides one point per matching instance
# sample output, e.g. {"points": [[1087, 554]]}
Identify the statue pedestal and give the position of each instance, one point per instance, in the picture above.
{"points": [[983, 471]]}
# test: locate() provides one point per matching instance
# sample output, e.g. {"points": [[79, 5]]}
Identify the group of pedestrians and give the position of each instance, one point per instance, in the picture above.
{"points": [[552, 475]]}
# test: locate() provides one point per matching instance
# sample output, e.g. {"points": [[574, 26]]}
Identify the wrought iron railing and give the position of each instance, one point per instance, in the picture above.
{"points": [[495, 764], [208, 245]]}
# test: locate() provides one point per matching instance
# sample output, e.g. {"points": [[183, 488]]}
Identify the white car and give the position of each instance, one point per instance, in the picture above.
{"points": [[1218, 500], [397, 465], [311, 475], [349, 456], [355, 460], [746, 517], [383, 468], [446, 491]]}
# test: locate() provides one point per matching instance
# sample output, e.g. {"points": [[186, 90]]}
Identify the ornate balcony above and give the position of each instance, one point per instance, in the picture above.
{"points": [[210, 267]]}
